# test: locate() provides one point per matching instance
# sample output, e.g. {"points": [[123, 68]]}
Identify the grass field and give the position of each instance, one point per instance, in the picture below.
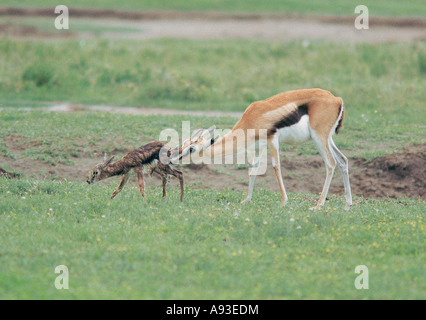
{"points": [[337, 7], [209, 246], [382, 87], [198, 75]]}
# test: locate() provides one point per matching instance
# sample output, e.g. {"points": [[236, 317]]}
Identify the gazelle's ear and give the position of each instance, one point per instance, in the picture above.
{"points": [[209, 142], [214, 139], [209, 132], [211, 129]]}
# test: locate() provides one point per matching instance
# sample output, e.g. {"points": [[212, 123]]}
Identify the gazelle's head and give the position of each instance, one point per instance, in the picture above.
{"points": [[200, 140], [98, 172]]}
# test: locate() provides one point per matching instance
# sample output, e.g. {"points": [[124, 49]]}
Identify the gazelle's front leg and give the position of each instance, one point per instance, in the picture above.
{"points": [[121, 185], [273, 144], [139, 172], [253, 171]]}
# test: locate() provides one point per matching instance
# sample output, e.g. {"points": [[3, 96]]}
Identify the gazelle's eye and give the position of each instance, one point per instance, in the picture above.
{"points": [[96, 172], [191, 149]]}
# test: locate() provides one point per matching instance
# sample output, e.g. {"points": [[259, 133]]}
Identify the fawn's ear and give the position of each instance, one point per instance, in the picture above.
{"points": [[107, 162]]}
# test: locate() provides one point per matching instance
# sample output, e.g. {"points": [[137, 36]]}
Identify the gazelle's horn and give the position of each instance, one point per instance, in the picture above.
{"points": [[198, 132]]}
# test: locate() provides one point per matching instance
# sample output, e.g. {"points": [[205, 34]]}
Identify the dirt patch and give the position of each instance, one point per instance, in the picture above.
{"points": [[394, 175], [22, 31], [218, 25], [65, 107], [16, 30], [191, 15]]}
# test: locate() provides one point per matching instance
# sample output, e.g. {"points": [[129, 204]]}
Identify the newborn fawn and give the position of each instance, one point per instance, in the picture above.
{"points": [[145, 159]]}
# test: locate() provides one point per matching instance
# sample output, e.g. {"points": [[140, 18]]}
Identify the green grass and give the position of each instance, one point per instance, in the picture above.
{"points": [[61, 138], [209, 247], [218, 75], [58, 138], [382, 86], [339, 7]]}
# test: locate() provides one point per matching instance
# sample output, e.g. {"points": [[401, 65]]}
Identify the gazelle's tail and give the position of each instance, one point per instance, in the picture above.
{"points": [[340, 117]]}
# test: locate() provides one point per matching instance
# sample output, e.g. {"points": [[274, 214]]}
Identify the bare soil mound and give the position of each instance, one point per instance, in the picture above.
{"points": [[395, 175]]}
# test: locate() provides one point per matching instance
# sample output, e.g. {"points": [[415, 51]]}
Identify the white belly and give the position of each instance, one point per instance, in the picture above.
{"points": [[297, 133], [149, 167]]}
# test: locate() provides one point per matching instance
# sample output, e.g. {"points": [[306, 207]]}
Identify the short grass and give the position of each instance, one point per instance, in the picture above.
{"points": [[219, 75], [209, 247], [61, 138], [382, 85], [336, 7]]}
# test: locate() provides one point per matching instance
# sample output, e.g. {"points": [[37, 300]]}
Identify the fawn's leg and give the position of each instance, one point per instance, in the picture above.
{"points": [[166, 169], [178, 174], [164, 180], [121, 185], [139, 172]]}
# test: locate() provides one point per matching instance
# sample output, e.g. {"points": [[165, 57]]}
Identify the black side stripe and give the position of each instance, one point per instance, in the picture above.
{"points": [[290, 119]]}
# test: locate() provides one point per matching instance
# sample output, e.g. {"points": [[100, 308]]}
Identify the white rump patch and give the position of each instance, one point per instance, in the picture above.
{"points": [[297, 133]]}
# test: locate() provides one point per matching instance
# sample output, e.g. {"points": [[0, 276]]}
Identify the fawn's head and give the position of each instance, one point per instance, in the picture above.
{"points": [[200, 140], [97, 173]]}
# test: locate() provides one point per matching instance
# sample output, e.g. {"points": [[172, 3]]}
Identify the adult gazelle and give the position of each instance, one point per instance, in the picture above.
{"points": [[292, 117]]}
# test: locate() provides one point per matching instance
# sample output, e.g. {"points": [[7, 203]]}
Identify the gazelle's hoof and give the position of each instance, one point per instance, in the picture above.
{"points": [[245, 201], [315, 208], [347, 207]]}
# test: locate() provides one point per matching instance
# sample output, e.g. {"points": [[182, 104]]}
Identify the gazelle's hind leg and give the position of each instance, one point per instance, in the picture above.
{"points": [[324, 148], [275, 155], [342, 163], [121, 185]]}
